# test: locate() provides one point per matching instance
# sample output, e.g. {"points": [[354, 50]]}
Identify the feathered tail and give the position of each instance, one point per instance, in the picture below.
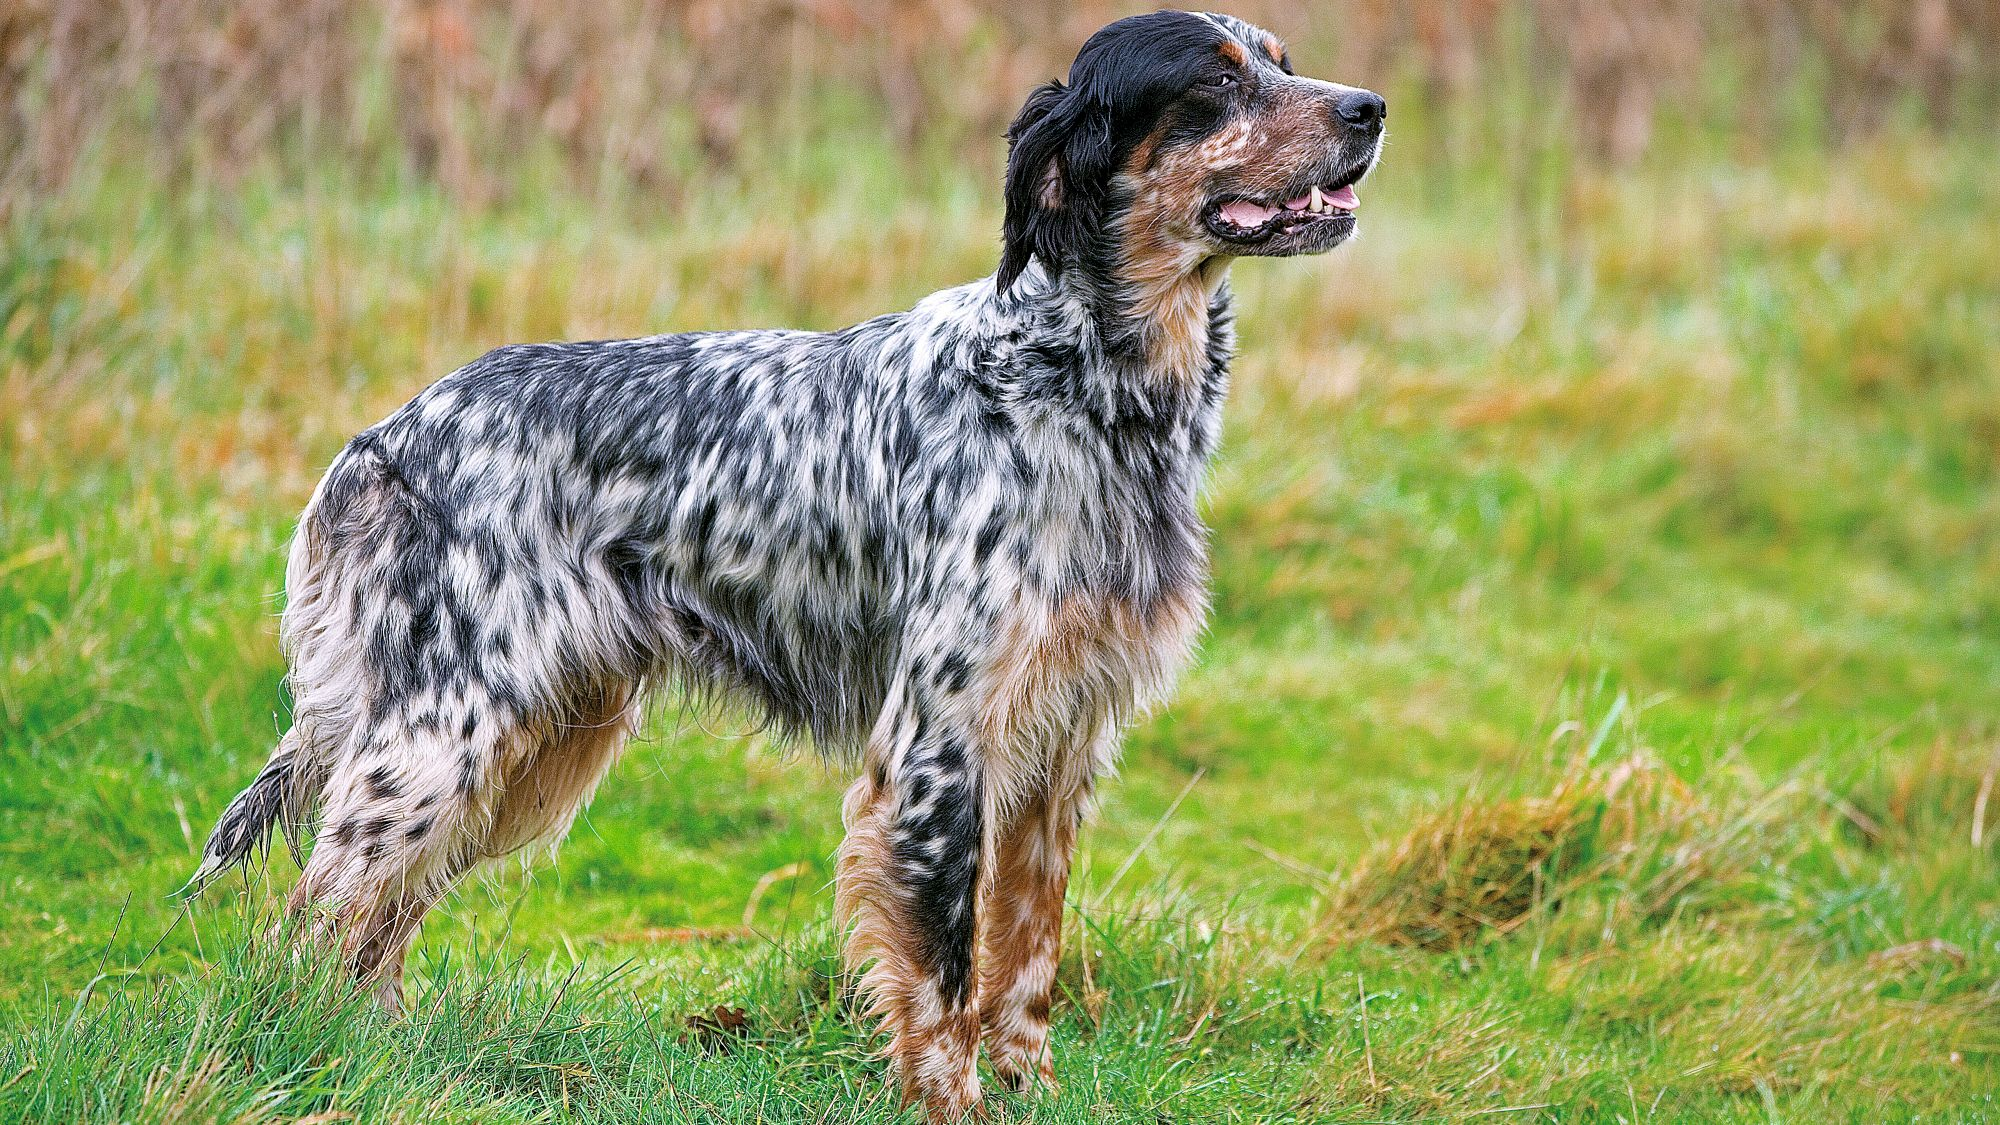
{"points": [[273, 800], [324, 654]]}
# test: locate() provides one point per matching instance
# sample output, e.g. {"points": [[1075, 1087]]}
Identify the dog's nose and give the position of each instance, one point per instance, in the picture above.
{"points": [[1361, 109]]}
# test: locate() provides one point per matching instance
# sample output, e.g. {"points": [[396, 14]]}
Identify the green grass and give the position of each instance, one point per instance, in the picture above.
{"points": [[1693, 467]]}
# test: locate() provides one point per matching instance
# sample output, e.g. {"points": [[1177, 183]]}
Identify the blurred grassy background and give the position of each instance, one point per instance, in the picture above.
{"points": [[1599, 715]]}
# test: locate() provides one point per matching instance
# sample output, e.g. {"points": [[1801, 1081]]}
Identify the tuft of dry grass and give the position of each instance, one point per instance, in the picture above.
{"points": [[1628, 832], [1474, 868]]}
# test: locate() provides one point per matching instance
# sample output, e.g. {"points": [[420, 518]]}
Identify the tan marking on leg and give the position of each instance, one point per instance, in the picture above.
{"points": [[553, 779], [373, 916], [377, 944], [1087, 656], [1021, 937], [937, 1053]]}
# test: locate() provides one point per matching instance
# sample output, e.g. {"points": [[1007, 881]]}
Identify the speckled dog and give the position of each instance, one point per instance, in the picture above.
{"points": [[957, 545]]}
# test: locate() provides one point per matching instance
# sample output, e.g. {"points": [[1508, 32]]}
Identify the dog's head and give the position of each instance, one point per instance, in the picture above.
{"points": [[1179, 139]]}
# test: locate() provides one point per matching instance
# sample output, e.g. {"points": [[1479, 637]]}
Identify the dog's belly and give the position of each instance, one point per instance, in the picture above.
{"points": [[777, 606], [816, 661]]}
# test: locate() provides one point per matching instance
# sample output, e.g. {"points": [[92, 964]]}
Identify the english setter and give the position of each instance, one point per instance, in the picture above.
{"points": [[959, 547]]}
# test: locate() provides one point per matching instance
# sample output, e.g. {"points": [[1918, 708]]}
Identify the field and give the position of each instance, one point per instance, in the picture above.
{"points": [[1600, 718]]}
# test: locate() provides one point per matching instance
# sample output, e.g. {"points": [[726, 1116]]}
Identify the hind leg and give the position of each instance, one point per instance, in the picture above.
{"points": [[420, 805], [408, 811], [544, 788]]}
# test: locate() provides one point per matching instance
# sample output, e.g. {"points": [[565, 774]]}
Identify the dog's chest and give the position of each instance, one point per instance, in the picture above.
{"points": [[1065, 673], [1111, 595], [1114, 520]]}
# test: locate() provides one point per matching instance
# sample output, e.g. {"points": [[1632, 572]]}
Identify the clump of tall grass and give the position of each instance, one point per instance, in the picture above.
{"points": [[1627, 832], [1633, 848]]}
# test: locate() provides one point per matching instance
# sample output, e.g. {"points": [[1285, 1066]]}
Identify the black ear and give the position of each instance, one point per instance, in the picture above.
{"points": [[1058, 151]]}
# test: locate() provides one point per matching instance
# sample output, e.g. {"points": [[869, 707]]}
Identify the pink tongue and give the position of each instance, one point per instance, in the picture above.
{"points": [[1344, 199], [1246, 214]]}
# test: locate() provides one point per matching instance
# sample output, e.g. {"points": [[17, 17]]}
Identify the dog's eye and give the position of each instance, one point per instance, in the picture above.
{"points": [[1221, 81]]}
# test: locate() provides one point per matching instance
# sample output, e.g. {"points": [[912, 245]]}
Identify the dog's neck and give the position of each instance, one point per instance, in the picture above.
{"points": [[1169, 311], [1153, 351], [1150, 326]]}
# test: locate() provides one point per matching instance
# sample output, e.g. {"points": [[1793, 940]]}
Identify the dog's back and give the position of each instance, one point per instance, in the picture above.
{"points": [[708, 507]]}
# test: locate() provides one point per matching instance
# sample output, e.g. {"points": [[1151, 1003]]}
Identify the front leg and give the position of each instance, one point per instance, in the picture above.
{"points": [[907, 884], [1022, 932]]}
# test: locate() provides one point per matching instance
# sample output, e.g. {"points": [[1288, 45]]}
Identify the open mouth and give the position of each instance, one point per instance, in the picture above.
{"points": [[1328, 204]]}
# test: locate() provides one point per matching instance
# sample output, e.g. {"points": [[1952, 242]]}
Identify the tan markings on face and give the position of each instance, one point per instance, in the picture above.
{"points": [[1142, 156], [1253, 155], [1163, 245], [1274, 49], [1234, 52], [1293, 132]]}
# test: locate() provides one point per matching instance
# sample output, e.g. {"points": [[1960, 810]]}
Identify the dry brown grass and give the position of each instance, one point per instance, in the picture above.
{"points": [[631, 90], [1483, 867]]}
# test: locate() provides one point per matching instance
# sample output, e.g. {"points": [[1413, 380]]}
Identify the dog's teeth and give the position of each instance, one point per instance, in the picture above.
{"points": [[1318, 205]]}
